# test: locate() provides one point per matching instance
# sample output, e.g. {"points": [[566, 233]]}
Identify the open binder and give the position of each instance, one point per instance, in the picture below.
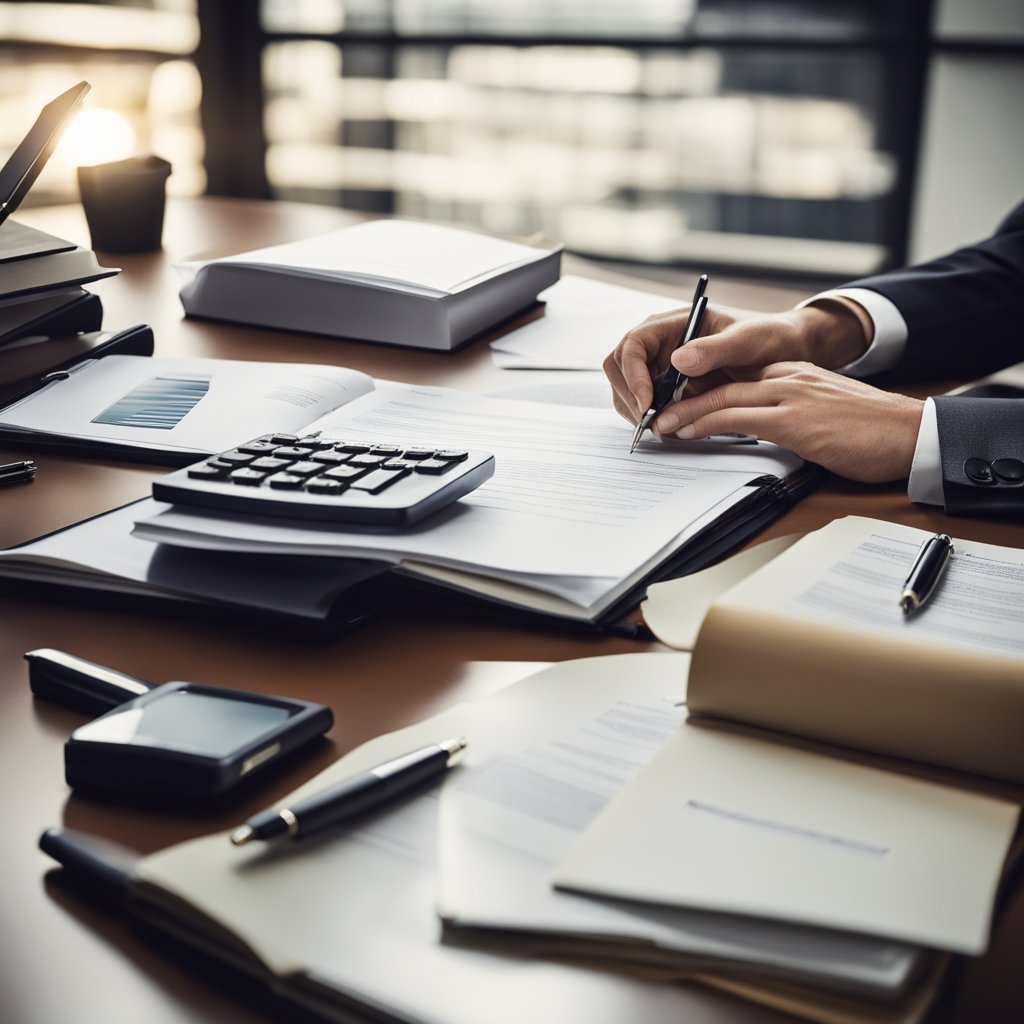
{"points": [[328, 597], [100, 559]]}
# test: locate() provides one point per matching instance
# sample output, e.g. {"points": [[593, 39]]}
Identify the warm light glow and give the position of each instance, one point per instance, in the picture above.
{"points": [[97, 136]]}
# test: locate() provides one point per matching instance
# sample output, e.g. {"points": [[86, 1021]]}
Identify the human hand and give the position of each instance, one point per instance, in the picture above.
{"points": [[851, 428], [734, 346]]}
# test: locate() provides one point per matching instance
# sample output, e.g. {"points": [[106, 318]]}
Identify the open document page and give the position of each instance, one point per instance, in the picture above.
{"points": [[188, 405], [731, 823], [838, 660], [566, 502], [348, 918], [534, 779]]}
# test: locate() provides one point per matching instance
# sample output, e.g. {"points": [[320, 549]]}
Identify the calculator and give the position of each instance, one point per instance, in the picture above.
{"points": [[333, 480]]}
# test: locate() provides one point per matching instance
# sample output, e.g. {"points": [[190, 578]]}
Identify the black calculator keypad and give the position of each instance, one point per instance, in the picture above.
{"points": [[329, 479]]}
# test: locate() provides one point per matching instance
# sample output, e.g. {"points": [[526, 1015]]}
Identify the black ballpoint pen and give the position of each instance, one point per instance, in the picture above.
{"points": [[17, 472], [928, 567], [353, 796], [670, 387]]}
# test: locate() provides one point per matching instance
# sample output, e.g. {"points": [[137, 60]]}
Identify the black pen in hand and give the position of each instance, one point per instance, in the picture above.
{"points": [[924, 575], [670, 387], [353, 796]]}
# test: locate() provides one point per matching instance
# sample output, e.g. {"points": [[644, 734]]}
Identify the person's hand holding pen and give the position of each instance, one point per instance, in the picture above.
{"points": [[767, 375]]}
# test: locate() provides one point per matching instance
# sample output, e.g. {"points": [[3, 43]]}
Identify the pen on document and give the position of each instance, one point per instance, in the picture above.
{"points": [[670, 387], [928, 567], [353, 796], [17, 472]]}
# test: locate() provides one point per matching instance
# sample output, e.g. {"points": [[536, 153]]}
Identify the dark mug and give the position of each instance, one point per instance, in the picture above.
{"points": [[124, 203]]}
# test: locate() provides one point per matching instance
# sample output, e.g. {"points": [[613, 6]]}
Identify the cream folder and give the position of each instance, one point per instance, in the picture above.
{"points": [[740, 825]]}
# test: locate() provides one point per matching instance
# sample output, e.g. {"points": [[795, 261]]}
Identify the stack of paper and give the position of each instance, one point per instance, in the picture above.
{"points": [[792, 879], [391, 281]]}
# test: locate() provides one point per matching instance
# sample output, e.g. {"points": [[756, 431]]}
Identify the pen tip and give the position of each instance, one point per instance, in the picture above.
{"points": [[454, 749], [242, 835]]}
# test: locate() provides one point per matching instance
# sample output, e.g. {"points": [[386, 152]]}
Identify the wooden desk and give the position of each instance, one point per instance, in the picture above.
{"points": [[65, 960]]}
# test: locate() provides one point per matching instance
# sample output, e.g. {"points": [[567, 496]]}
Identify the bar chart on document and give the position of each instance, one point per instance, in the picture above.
{"points": [[159, 403]]}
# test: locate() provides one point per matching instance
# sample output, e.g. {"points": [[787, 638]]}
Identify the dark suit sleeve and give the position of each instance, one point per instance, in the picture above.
{"points": [[965, 318], [965, 311], [981, 442]]}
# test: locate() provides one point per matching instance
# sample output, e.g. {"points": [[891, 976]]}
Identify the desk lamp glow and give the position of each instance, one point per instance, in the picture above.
{"points": [[97, 136]]}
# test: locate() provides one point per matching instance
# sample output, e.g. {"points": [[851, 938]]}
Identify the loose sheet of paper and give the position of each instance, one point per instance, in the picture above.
{"points": [[566, 499], [197, 405], [675, 609], [538, 774], [979, 602], [729, 823], [583, 321]]}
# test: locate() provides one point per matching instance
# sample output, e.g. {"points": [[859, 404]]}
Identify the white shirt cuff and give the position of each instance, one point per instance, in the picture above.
{"points": [[925, 483], [890, 330]]}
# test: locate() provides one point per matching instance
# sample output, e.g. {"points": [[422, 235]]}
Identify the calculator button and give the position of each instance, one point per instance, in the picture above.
{"points": [[345, 473], [236, 458], [247, 476], [305, 468], [257, 447], [322, 486], [286, 482], [378, 480], [205, 472], [366, 461], [331, 480], [329, 458], [292, 452], [268, 464], [433, 467]]}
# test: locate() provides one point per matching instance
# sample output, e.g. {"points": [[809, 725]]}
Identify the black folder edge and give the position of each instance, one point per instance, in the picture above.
{"points": [[81, 314], [136, 341], [769, 498]]}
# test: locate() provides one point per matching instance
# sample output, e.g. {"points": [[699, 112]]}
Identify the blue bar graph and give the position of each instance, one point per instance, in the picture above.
{"points": [[159, 403]]}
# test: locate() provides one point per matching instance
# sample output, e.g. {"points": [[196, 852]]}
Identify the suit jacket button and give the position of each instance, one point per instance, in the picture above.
{"points": [[1010, 470], [979, 471]]}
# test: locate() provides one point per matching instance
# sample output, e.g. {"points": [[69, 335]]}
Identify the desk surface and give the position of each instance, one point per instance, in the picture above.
{"points": [[62, 958]]}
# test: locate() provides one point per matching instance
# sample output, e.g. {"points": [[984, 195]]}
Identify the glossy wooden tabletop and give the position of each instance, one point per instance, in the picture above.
{"points": [[65, 959]]}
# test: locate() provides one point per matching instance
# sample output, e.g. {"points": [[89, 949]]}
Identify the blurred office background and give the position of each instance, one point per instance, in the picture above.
{"points": [[819, 138]]}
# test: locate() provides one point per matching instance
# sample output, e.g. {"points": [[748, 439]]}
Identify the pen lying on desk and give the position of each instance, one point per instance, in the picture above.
{"points": [[17, 472], [353, 796]]}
